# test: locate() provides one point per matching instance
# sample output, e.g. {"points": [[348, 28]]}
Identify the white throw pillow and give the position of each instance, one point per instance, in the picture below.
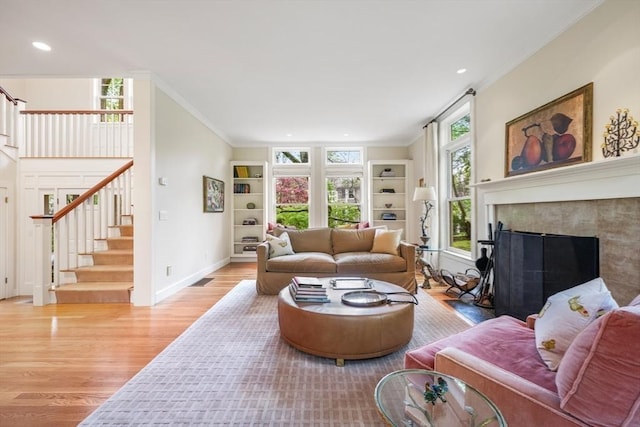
{"points": [[279, 246], [386, 241], [566, 314]]}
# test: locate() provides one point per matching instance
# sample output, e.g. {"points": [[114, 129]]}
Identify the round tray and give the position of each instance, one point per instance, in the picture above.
{"points": [[364, 298]]}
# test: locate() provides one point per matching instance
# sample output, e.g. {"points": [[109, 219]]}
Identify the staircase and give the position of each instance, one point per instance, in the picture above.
{"points": [[108, 275]]}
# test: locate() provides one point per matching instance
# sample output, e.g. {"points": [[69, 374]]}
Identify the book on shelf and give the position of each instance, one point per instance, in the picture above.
{"points": [[241, 188], [241, 172], [306, 281]]}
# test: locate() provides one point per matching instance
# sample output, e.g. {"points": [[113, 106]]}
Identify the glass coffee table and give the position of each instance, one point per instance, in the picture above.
{"points": [[416, 397]]}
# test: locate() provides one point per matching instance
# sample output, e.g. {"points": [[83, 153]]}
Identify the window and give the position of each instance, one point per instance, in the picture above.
{"points": [[455, 143], [343, 185], [343, 156], [344, 200], [294, 157], [292, 180], [113, 94], [292, 201]]}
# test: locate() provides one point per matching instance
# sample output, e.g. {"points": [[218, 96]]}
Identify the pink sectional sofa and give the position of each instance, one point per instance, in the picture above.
{"points": [[596, 384]]}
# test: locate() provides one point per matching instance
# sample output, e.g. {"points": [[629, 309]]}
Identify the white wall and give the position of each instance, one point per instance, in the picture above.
{"points": [[603, 48], [192, 242], [52, 93], [260, 154]]}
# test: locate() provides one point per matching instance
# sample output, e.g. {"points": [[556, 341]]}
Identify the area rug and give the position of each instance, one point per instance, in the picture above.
{"points": [[230, 367]]}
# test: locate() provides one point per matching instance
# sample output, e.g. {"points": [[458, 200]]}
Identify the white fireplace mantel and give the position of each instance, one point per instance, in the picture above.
{"points": [[605, 179]]}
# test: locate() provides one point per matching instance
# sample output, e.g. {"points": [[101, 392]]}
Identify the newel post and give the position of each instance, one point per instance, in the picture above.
{"points": [[42, 241]]}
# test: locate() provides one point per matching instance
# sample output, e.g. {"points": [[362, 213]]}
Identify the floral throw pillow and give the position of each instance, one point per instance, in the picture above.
{"points": [[566, 314], [279, 246]]}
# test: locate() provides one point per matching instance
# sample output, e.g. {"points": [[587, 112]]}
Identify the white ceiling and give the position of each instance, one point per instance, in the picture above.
{"points": [[256, 71]]}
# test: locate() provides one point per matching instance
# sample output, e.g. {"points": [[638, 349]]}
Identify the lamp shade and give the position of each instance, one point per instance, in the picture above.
{"points": [[424, 193]]}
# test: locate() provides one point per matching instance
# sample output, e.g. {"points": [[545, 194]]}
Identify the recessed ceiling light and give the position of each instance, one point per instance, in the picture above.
{"points": [[289, 134], [461, 71], [41, 46], [345, 134]]}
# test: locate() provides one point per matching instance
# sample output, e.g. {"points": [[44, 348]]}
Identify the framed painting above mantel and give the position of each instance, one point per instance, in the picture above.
{"points": [[556, 134]]}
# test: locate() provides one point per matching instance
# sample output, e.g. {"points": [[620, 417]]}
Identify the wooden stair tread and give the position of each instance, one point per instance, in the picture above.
{"points": [[94, 286], [118, 238], [110, 252], [102, 267]]}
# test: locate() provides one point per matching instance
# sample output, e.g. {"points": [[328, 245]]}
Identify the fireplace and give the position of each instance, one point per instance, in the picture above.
{"points": [[600, 199]]}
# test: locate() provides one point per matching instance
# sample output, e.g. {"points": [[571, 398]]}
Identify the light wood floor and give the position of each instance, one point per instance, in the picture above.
{"points": [[60, 362]]}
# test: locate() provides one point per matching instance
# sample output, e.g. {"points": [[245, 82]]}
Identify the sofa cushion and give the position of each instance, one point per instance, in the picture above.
{"points": [[386, 241], [362, 263], [504, 341], [303, 262], [567, 313], [352, 240], [309, 240], [279, 246], [599, 377]]}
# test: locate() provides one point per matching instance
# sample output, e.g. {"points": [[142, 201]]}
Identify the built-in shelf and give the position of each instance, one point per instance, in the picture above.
{"points": [[249, 201], [388, 187]]}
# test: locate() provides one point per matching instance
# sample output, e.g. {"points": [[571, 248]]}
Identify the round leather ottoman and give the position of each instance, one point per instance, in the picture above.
{"points": [[340, 331]]}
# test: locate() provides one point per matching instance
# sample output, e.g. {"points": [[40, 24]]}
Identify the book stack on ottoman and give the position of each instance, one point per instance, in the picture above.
{"points": [[308, 289]]}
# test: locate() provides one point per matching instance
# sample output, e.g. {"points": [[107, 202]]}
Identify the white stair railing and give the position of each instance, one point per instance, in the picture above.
{"points": [[10, 125], [77, 133], [76, 230]]}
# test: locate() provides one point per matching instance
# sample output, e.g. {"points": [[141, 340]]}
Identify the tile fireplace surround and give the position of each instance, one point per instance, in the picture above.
{"points": [[599, 199]]}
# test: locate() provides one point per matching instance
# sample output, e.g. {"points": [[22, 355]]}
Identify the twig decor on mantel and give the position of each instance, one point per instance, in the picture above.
{"points": [[621, 134]]}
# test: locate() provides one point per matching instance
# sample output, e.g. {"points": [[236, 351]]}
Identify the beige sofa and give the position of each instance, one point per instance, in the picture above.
{"points": [[326, 252]]}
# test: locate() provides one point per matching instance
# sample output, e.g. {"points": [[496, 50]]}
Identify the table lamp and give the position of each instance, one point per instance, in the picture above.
{"points": [[428, 196]]}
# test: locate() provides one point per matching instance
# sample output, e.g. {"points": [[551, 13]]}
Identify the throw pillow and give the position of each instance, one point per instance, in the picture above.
{"points": [[599, 377], [279, 246], [386, 241], [566, 314]]}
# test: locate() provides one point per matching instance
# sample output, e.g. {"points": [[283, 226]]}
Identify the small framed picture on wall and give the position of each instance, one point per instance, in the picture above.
{"points": [[213, 194]]}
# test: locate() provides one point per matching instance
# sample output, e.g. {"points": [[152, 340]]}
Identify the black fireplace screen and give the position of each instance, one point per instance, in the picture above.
{"points": [[529, 267]]}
